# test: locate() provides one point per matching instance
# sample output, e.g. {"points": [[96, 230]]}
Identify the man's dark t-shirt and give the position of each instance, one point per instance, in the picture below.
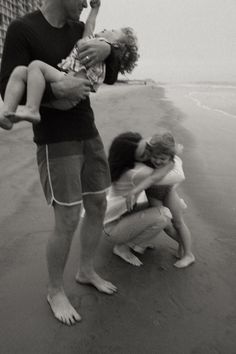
{"points": [[33, 38]]}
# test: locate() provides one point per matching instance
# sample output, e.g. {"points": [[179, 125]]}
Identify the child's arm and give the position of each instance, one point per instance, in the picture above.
{"points": [[99, 51], [175, 176], [148, 181], [91, 20]]}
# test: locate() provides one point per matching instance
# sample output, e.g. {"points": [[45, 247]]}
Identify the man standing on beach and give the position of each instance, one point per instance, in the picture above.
{"points": [[71, 159]]}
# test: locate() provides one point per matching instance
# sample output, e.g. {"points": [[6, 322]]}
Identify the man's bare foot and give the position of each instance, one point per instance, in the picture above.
{"points": [[5, 122], [62, 308], [94, 279], [24, 113], [123, 252], [185, 261]]}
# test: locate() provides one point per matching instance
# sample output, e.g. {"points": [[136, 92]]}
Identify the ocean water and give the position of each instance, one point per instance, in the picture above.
{"points": [[216, 97]]}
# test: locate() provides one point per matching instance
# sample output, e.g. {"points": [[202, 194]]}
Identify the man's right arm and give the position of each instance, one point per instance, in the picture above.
{"points": [[17, 52], [72, 88]]}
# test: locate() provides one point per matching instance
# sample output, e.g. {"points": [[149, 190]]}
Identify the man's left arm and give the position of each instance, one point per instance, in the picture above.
{"points": [[94, 51]]}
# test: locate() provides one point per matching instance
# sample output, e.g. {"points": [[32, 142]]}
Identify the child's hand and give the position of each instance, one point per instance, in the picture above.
{"points": [[95, 3], [179, 149], [130, 201]]}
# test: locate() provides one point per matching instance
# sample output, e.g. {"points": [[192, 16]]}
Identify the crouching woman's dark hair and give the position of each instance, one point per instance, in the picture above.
{"points": [[121, 156]]}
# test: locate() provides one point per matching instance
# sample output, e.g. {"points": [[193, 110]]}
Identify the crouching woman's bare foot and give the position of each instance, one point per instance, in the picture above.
{"points": [[92, 278], [123, 251], [62, 308]]}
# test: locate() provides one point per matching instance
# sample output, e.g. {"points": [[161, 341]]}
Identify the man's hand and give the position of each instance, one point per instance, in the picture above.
{"points": [[72, 88], [95, 3], [93, 51]]}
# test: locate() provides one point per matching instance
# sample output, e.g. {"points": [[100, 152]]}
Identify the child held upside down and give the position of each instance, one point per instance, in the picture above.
{"points": [[158, 152], [35, 76]]}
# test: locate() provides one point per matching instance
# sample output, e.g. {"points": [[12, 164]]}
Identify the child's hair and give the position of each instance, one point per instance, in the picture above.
{"points": [[162, 143], [130, 55]]}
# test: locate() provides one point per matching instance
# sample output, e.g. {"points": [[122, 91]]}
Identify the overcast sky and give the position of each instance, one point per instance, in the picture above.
{"points": [[179, 40]]}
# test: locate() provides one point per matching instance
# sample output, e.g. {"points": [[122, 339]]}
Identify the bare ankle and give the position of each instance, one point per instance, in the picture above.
{"points": [[32, 109], [52, 291]]}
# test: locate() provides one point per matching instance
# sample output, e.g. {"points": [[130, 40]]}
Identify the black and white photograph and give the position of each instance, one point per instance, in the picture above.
{"points": [[117, 177]]}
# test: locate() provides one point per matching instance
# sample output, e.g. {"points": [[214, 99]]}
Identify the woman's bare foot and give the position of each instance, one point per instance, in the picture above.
{"points": [[5, 122], [62, 308], [123, 251], [141, 248], [24, 113], [94, 279], [185, 261], [138, 249]]}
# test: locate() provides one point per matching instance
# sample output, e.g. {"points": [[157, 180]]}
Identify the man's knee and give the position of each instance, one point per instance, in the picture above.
{"points": [[67, 217], [95, 204]]}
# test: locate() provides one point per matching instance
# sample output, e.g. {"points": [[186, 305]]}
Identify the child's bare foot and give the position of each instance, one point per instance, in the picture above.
{"points": [[25, 114], [62, 309], [185, 261], [92, 278], [5, 122], [180, 252], [123, 252]]}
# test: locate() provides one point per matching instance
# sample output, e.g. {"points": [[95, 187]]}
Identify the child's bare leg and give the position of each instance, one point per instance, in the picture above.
{"points": [[174, 204], [185, 254], [13, 95], [172, 232], [38, 74], [169, 229]]}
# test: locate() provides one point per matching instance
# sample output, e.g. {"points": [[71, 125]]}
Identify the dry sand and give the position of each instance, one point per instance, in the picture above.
{"points": [[158, 309]]}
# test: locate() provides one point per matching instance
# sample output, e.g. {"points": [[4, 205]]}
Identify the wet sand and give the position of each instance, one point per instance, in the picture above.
{"points": [[158, 309]]}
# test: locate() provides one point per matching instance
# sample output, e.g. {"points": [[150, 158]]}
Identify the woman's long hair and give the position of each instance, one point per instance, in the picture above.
{"points": [[121, 156]]}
